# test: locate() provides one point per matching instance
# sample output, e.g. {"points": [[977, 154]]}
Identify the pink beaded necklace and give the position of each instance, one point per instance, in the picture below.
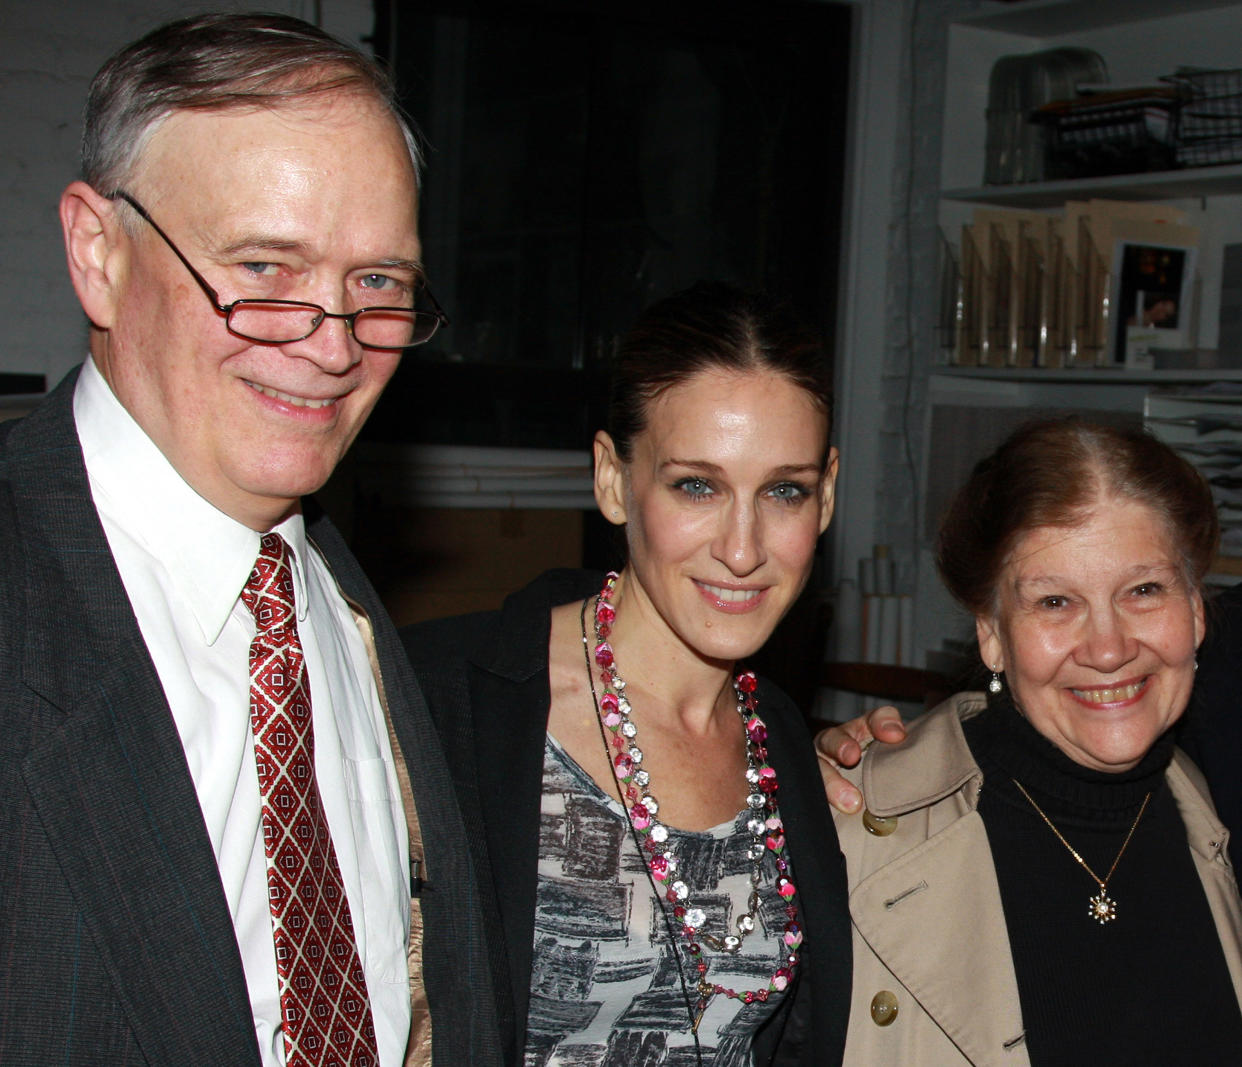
{"points": [[652, 837]]}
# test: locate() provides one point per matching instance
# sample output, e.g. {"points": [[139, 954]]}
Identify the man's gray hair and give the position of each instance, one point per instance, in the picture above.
{"points": [[216, 62]]}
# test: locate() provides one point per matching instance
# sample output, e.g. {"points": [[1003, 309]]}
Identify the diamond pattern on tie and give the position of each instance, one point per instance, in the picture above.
{"points": [[326, 1015]]}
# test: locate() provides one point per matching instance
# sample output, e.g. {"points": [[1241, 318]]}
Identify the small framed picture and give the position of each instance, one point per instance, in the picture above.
{"points": [[1153, 300]]}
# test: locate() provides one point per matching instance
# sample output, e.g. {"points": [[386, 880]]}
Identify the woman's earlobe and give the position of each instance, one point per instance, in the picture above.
{"points": [[609, 479]]}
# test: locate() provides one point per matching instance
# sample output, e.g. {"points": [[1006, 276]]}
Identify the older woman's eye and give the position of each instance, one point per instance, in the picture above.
{"points": [[695, 488], [1054, 603], [1148, 589]]}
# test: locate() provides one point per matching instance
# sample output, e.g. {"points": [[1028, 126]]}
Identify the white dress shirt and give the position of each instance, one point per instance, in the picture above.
{"points": [[184, 564]]}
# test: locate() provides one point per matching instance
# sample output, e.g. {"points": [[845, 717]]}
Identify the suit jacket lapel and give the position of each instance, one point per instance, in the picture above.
{"points": [[108, 775]]}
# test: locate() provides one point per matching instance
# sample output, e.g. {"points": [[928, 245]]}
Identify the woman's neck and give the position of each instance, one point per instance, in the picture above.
{"points": [[659, 666]]}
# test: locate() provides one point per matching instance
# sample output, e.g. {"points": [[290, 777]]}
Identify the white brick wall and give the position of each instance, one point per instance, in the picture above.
{"points": [[49, 51]]}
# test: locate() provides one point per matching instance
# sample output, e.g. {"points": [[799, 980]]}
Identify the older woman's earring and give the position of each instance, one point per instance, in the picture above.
{"points": [[994, 686]]}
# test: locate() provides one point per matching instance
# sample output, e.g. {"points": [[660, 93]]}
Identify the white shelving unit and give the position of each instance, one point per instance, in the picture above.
{"points": [[1140, 40]]}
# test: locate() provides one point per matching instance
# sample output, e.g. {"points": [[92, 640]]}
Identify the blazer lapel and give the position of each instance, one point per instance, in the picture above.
{"points": [[107, 773]]}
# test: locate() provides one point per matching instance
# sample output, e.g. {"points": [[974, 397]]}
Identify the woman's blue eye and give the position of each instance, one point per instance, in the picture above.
{"points": [[790, 492], [694, 487], [377, 281], [260, 268]]}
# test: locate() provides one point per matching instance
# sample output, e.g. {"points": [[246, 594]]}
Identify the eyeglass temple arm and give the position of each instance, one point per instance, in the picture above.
{"points": [[204, 284]]}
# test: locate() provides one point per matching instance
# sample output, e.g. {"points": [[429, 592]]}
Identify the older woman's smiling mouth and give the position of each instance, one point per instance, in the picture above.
{"points": [[1115, 694]]}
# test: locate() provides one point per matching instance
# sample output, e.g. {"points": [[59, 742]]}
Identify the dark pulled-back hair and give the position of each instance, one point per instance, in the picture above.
{"points": [[1050, 472], [710, 326], [216, 62]]}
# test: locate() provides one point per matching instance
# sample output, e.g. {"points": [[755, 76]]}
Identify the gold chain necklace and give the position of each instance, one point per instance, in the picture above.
{"points": [[1101, 907]]}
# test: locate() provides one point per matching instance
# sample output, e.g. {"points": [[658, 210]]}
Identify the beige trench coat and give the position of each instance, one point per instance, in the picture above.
{"points": [[929, 931]]}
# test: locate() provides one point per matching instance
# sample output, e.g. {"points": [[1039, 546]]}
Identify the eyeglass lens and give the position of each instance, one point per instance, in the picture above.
{"points": [[278, 323]]}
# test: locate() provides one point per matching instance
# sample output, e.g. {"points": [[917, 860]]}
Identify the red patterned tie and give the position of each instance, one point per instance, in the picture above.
{"points": [[323, 994]]}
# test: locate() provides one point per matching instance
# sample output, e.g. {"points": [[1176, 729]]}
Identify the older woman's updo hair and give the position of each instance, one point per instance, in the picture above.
{"points": [[1049, 472], [710, 326]]}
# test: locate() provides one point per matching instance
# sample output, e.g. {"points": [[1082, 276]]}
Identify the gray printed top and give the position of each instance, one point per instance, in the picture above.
{"points": [[605, 986]]}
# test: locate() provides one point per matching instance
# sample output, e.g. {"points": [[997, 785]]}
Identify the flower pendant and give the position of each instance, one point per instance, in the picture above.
{"points": [[1102, 908]]}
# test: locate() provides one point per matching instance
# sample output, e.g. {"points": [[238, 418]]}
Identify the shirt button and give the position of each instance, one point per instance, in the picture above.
{"points": [[883, 1008], [879, 825]]}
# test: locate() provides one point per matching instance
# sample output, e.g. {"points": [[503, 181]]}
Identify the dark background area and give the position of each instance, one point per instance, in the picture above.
{"points": [[582, 163]]}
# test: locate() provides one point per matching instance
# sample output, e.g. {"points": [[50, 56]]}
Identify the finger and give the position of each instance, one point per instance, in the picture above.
{"points": [[885, 725], [842, 795], [837, 745]]}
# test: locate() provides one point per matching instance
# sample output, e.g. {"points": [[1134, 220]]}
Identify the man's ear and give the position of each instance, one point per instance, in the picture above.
{"points": [[609, 479], [96, 250]]}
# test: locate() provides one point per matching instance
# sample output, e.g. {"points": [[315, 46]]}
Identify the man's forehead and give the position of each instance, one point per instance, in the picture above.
{"points": [[291, 174]]}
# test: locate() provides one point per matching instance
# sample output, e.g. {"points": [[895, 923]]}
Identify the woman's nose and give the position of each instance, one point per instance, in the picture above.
{"points": [[739, 543]]}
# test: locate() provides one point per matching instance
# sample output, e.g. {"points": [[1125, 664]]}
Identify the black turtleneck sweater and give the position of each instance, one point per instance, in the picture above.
{"points": [[1151, 987]]}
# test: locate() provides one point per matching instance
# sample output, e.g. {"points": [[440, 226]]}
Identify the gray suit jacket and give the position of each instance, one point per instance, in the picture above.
{"points": [[116, 944]]}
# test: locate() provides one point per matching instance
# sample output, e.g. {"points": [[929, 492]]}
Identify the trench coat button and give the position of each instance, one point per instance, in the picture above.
{"points": [[879, 825], [883, 1008]]}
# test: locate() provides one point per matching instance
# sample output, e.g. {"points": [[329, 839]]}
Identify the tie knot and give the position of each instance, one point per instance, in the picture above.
{"points": [[269, 589]]}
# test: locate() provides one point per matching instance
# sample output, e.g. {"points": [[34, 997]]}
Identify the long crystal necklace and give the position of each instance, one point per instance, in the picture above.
{"points": [[652, 836], [1101, 907]]}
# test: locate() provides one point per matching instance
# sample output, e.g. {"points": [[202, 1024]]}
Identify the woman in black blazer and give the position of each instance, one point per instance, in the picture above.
{"points": [[647, 816]]}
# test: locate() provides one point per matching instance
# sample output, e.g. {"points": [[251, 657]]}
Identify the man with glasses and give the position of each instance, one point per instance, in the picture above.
{"points": [[210, 848]]}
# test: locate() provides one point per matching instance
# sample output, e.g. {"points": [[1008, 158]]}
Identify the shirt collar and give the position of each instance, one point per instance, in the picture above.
{"points": [[207, 555]]}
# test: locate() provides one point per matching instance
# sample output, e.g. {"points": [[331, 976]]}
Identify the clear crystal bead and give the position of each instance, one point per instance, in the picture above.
{"points": [[659, 833], [696, 917], [732, 943], [681, 891], [752, 775], [618, 683], [641, 778], [746, 923], [756, 850], [754, 825], [755, 800], [636, 754], [623, 706], [650, 803], [628, 728]]}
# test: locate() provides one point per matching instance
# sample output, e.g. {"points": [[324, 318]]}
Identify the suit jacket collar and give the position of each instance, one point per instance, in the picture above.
{"points": [[107, 773]]}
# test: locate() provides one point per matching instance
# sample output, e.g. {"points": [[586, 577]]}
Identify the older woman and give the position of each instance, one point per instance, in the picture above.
{"points": [[1039, 875], [661, 899]]}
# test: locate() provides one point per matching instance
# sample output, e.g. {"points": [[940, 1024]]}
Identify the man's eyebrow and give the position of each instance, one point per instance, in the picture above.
{"points": [[254, 243]]}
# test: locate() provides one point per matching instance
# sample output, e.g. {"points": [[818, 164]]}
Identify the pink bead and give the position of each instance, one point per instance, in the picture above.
{"points": [[659, 868], [775, 842], [605, 613], [609, 702], [640, 817], [747, 682], [612, 719], [756, 730], [785, 887], [781, 979], [603, 654], [624, 765]]}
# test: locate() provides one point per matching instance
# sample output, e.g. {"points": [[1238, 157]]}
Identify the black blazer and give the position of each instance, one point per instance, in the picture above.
{"points": [[116, 944], [485, 677]]}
